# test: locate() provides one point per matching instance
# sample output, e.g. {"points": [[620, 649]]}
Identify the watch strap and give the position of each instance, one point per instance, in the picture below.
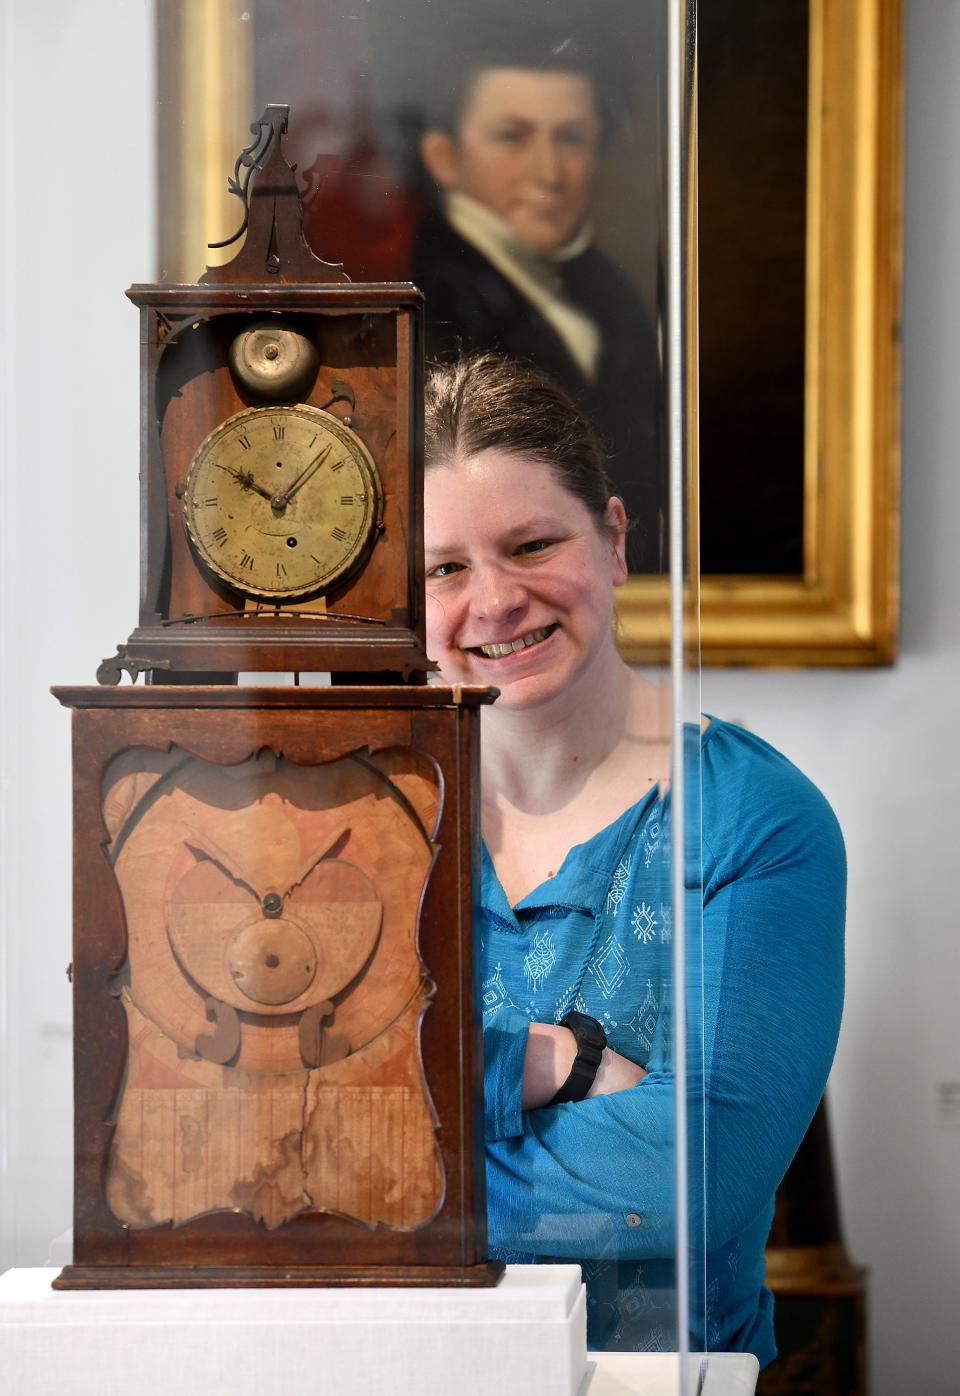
{"points": [[591, 1040]]}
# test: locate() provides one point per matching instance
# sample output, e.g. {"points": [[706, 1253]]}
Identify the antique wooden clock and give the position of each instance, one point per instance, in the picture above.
{"points": [[280, 457], [277, 1060]]}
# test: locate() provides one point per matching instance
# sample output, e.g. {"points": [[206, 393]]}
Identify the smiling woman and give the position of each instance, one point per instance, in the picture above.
{"points": [[517, 602], [524, 548], [523, 553]]}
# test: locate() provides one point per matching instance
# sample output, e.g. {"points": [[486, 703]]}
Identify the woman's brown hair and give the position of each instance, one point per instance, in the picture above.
{"points": [[486, 401]]}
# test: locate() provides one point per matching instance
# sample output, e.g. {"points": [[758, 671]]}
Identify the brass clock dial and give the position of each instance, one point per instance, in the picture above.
{"points": [[282, 501]]}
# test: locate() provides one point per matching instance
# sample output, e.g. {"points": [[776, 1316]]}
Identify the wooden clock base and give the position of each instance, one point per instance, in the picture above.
{"points": [[482, 1275], [277, 1066]]}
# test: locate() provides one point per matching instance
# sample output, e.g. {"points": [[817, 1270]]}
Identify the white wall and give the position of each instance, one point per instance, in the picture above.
{"points": [[883, 745], [76, 228]]}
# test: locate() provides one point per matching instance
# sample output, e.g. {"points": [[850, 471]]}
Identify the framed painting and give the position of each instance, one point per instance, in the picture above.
{"points": [[799, 286], [794, 506]]}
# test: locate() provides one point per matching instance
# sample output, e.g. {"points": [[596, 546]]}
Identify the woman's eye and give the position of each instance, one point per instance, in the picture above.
{"points": [[536, 545], [445, 569]]}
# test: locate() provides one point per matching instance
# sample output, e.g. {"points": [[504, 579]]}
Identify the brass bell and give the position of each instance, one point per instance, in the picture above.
{"points": [[271, 360]]}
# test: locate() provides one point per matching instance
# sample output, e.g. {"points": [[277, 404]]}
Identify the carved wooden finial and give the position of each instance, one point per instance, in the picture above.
{"points": [[274, 247]]}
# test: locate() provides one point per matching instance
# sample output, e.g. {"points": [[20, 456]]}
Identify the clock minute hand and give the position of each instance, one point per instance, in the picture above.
{"points": [[316, 855], [283, 499]]}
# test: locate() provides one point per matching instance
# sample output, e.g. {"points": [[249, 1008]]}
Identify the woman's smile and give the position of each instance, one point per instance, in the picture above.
{"points": [[520, 577], [504, 649]]}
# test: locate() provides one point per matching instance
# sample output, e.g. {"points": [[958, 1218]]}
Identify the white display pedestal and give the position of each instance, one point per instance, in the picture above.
{"points": [[257, 1342], [526, 1337], [657, 1374]]}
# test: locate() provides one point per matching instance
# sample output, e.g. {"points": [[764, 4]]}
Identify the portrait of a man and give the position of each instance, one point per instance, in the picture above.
{"points": [[507, 257], [507, 161]]}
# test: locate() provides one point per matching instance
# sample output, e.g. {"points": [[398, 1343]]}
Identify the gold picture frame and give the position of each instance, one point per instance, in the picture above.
{"points": [[844, 609], [204, 77]]}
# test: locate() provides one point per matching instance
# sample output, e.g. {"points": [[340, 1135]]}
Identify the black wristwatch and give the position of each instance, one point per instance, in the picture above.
{"points": [[591, 1040]]}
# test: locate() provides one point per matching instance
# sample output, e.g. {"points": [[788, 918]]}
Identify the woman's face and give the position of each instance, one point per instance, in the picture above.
{"points": [[520, 576], [526, 149]]}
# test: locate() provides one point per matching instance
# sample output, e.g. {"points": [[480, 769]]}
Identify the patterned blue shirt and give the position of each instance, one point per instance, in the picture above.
{"points": [[593, 1181]]}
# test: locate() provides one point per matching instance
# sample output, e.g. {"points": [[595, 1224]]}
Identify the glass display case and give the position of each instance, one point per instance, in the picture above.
{"points": [[253, 1031]]}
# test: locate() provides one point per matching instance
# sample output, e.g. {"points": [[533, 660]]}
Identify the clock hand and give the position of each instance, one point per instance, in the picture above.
{"points": [[201, 844], [314, 858], [271, 902], [250, 483], [244, 478], [281, 500]]}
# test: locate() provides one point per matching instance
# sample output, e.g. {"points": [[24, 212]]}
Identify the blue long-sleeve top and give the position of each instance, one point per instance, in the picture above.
{"points": [[593, 1181]]}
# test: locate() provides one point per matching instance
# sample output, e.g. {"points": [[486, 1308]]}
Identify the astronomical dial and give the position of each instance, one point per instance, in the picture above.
{"points": [[282, 501]]}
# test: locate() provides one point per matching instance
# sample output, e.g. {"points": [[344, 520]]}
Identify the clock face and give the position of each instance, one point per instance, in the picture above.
{"points": [[282, 501], [272, 988]]}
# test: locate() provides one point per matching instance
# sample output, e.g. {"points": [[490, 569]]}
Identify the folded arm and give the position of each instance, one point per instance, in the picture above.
{"points": [[596, 1177], [548, 1060]]}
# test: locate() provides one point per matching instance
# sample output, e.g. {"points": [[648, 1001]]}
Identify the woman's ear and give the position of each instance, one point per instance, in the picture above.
{"points": [[615, 518], [438, 151]]}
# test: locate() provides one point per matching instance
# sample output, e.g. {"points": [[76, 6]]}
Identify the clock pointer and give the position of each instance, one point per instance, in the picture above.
{"points": [[271, 902], [280, 501], [315, 857], [244, 478], [203, 845]]}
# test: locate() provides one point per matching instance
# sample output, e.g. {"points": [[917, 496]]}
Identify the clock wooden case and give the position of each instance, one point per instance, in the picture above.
{"points": [[278, 1068], [281, 457], [278, 1075]]}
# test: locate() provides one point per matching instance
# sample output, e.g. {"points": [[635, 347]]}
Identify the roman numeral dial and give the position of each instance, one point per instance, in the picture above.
{"points": [[282, 502]]}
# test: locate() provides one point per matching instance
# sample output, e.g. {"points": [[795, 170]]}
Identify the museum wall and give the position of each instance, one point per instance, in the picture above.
{"points": [[882, 744], [76, 228]]}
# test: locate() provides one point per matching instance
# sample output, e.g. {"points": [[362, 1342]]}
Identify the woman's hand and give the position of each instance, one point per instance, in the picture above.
{"points": [[551, 1052]]}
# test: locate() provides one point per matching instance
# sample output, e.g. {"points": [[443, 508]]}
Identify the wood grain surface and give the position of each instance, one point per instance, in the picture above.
{"points": [[257, 896], [245, 1113]]}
